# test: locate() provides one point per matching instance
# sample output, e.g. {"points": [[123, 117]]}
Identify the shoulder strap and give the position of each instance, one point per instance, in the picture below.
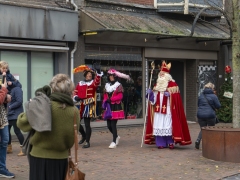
{"points": [[75, 139], [208, 102]]}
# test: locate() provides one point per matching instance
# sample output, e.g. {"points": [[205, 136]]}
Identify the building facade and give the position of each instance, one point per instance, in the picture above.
{"points": [[36, 39], [129, 35]]}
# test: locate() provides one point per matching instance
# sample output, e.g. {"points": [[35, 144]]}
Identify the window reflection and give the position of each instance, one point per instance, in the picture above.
{"points": [[127, 60]]}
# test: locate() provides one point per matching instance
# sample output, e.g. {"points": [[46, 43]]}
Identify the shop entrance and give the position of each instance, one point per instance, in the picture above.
{"points": [[176, 71]]}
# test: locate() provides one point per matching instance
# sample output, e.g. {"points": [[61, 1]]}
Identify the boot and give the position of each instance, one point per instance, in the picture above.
{"points": [[9, 148], [21, 153], [82, 140], [86, 145], [197, 144]]}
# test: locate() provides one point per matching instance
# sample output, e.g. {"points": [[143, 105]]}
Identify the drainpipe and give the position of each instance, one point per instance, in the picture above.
{"points": [[155, 3], [72, 60], [186, 6], [75, 44]]}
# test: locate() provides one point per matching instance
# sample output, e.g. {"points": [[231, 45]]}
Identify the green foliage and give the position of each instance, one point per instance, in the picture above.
{"points": [[225, 112]]}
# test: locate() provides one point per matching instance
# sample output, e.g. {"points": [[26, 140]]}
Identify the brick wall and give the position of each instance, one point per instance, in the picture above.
{"points": [[191, 90]]}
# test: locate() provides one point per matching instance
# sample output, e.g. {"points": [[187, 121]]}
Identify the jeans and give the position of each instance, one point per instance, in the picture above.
{"points": [[4, 137], [204, 123]]}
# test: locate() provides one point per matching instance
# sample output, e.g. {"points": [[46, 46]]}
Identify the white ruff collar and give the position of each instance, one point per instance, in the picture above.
{"points": [[81, 83], [110, 88]]}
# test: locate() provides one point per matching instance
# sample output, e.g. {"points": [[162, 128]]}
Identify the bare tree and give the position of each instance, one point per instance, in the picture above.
{"points": [[236, 62], [231, 11]]}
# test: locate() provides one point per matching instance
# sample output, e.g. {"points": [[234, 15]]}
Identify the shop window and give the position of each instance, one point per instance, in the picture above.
{"points": [[41, 69], [132, 97], [17, 61], [207, 72]]}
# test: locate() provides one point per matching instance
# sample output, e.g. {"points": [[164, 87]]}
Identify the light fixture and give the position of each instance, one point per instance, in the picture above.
{"points": [[89, 33]]}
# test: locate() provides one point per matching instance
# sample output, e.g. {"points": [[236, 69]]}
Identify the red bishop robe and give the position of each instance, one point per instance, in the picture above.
{"points": [[180, 131]]}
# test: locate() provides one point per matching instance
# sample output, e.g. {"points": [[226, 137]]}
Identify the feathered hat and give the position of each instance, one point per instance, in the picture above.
{"points": [[82, 68], [118, 74], [85, 69], [165, 67]]}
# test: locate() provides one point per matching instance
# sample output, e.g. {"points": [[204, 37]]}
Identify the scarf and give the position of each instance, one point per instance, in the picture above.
{"points": [[55, 96], [62, 98]]}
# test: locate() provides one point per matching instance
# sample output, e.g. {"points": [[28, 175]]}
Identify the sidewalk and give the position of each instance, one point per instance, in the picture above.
{"points": [[131, 162]]}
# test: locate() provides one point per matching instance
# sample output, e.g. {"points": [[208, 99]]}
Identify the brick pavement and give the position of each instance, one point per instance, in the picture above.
{"points": [[131, 162]]}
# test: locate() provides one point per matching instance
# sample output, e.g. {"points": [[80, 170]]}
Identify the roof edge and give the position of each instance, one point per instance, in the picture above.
{"points": [[164, 35], [124, 4], [20, 4]]}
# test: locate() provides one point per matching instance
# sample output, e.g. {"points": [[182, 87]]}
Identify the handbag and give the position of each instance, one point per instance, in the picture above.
{"points": [[73, 173], [26, 146], [216, 119]]}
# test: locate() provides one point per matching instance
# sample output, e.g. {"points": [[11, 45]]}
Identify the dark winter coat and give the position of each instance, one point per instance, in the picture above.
{"points": [[204, 109], [15, 107], [10, 77]]}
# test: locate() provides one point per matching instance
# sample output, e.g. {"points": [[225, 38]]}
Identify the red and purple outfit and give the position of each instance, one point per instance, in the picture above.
{"points": [[114, 92]]}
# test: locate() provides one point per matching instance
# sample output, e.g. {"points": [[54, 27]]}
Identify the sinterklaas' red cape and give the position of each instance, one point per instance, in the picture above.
{"points": [[180, 131]]}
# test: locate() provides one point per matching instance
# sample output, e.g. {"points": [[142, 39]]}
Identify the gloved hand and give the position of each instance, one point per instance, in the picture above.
{"points": [[166, 94], [76, 98], [97, 67], [149, 91], [151, 95]]}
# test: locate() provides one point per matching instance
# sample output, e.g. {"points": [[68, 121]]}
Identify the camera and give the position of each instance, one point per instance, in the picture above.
{"points": [[2, 79]]}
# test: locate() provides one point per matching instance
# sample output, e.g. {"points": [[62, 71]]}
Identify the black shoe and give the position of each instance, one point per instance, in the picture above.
{"points": [[82, 140], [197, 143], [86, 145]]}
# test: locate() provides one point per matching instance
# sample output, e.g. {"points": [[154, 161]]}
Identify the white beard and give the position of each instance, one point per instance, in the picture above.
{"points": [[162, 83]]}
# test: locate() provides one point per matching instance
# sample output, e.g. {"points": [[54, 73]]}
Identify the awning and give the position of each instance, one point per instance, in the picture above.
{"points": [[95, 20], [38, 22]]}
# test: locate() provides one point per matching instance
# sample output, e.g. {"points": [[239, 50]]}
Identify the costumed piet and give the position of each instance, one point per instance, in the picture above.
{"points": [[166, 120], [112, 99], [85, 93]]}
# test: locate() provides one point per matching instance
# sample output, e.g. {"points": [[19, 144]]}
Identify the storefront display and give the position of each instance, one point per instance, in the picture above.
{"points": [[126, 62]]}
